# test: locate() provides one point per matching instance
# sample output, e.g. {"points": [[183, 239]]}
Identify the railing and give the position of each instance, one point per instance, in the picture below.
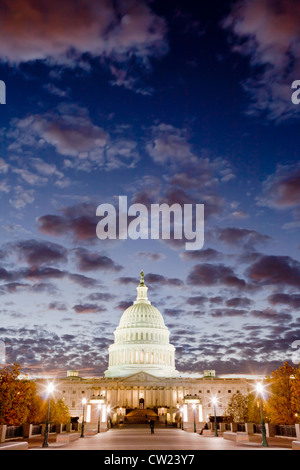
{"points": [[52, 428], [257, 429], [13, 431], [36, 429], [241, 427], [285, 430]]}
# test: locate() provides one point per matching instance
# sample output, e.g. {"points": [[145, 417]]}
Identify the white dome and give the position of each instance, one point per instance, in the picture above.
{"points": [[141, 341]]}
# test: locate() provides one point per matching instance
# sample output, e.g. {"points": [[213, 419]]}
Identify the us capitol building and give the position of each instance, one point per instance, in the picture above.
{"points": [[141, 381]]}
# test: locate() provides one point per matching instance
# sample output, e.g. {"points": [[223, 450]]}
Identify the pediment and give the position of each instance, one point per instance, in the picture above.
{"points": [[141, 377]]}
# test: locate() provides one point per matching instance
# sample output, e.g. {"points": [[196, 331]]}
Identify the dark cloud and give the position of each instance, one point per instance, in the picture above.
{"points": [[292, 300], [268, 33], [60, 306], [151, 278], [90, 261], [103, 29], [241, 237], [271, 315], [37, 253], [197, 300], [88, 308], [275, 270], [214, 275], [239, 302], [281, 190], [79, 221], [228, 312], [123, 305]]}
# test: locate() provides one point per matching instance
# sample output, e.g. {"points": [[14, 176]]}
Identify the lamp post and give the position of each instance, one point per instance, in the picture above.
{"points": [[99, 409], [214, 401], [260, 390], [194, 409], [82, 425], [107, 417], [181, 409], [50, 389]]}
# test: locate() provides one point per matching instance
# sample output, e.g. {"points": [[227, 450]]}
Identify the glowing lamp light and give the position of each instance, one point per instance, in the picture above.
{"points": [[50, 388], [259, 387], [84, 401]]}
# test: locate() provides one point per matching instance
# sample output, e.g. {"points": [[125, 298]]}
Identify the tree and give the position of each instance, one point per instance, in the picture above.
{"points": [[15, 396], [237, 408], [296, 393], [254, 409], [59, 412], [283, 395]]}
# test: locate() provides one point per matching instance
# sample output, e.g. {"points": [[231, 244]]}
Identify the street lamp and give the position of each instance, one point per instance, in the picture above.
{"points": [[107, 417], [214, 402], [99, 409], [82, 424], [50, 389], [260, 390], [194, 408], [181, 409]]}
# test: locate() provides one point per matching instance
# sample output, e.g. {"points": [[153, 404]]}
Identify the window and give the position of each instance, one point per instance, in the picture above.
{"points": [[229, 391]]}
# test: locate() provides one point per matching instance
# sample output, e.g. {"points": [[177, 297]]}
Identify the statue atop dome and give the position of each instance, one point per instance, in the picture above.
{"points": [[142, 282]]}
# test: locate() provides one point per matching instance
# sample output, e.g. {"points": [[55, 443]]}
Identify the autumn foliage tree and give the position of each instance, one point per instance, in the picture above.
{"points": [[281, 402], [283, 388], [16, 396], [20, 403]]}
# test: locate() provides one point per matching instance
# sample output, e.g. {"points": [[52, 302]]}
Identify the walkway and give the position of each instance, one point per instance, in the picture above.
{"points": [[139, 438]]}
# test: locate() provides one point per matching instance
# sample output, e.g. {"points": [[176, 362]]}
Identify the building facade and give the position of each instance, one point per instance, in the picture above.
{"points": [[141, 379]]}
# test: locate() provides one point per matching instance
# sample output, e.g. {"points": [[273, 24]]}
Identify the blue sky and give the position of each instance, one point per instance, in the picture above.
{"points": [[161, 102]]}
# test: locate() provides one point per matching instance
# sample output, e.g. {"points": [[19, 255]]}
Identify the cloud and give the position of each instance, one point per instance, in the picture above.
{"points": [[62, 32], [88, 308], [275, 270], [281, 190], [89, 261], [271, 315], [151, 278], [239, 302], [214, 275], [70, 131], [228, 312], [267, 31], [241, 237], [22, 197], [169, 145], [79, 221], [37, 253], [291, 300]]}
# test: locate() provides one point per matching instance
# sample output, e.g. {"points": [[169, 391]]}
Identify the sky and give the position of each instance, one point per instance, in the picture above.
{"points": [[162, 102]]}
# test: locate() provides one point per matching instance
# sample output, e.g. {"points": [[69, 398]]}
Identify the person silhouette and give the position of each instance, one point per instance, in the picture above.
{"points": [[152, 426]]}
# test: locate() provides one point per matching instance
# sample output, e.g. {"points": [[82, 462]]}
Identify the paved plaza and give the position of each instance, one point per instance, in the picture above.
{"points": [[139, 438]]}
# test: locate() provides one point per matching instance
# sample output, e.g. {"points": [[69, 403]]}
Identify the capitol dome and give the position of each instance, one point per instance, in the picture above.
{"points": [[141, 341]]}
